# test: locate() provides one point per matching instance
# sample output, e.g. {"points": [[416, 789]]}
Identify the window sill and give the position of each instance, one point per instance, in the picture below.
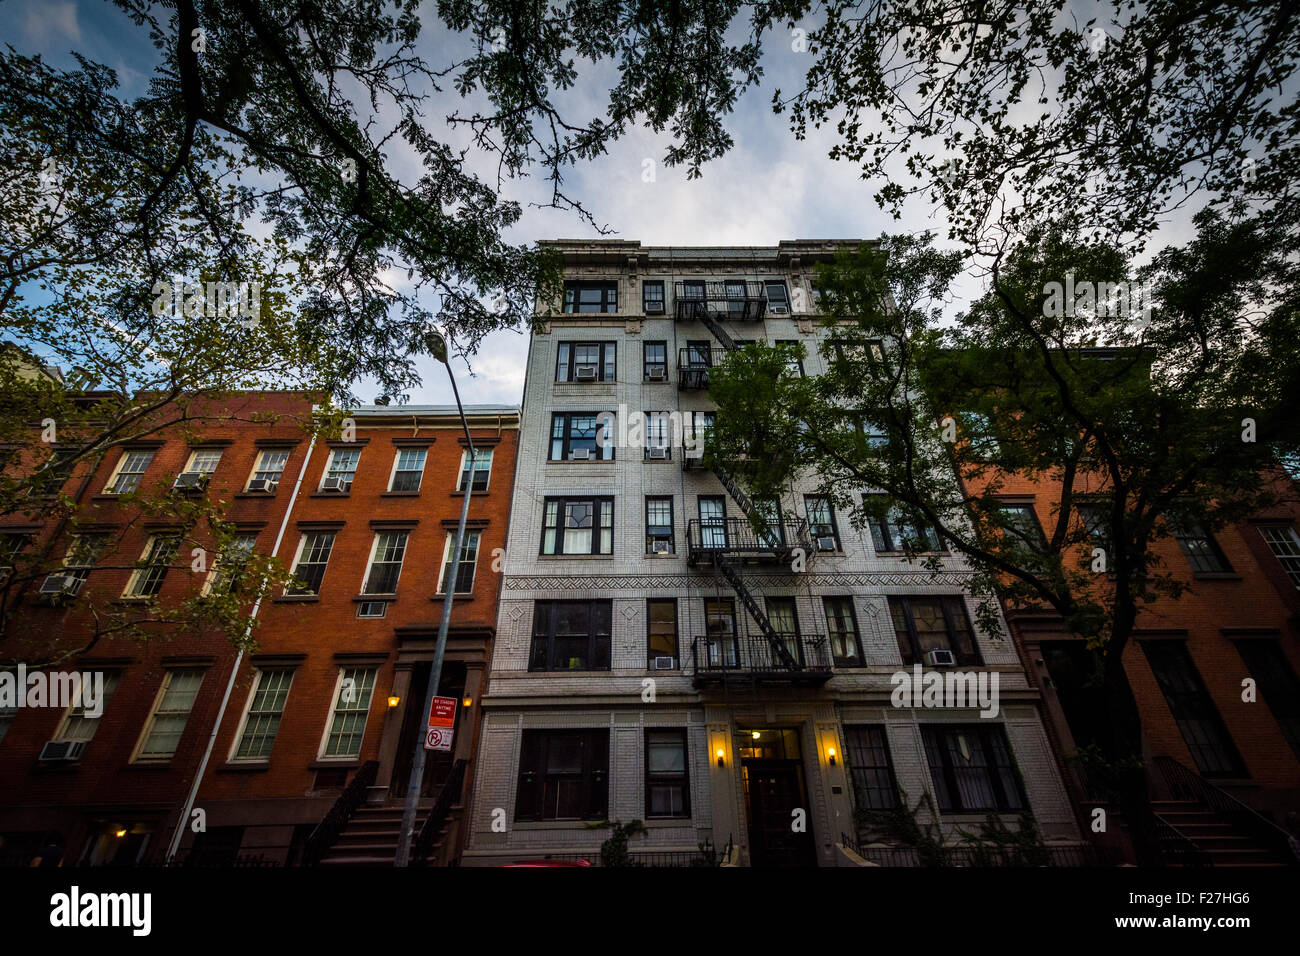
{"points": [[397, 494], [244, 766], [295, 598]]}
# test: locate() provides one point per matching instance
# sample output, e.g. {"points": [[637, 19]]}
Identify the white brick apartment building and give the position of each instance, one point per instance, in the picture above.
{"points": [[628, 678]]}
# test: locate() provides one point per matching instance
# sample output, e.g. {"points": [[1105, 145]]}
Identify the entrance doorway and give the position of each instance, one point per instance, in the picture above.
{"points": [[772, 770], [437, 763]]}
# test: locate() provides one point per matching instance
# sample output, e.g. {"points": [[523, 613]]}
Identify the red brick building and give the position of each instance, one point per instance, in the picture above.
{"points": [[334, 685]]}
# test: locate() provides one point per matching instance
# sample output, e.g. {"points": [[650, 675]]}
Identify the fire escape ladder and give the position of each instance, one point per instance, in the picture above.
{"points": [[756, 611], [716, 330]]}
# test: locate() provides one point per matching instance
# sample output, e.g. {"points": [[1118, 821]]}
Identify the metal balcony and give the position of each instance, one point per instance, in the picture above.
{"points": [[693, 365], [721, 658], [735, 300], [736, 538]]}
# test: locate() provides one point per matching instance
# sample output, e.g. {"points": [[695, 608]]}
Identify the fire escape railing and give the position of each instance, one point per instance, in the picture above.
{"points": [[735, 300]]}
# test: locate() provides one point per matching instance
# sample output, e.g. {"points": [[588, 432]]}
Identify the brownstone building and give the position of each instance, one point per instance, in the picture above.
{"points": [[254, 750]]}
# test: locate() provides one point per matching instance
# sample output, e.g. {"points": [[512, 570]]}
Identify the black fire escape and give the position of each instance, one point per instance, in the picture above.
{"points": [[762, 537]]}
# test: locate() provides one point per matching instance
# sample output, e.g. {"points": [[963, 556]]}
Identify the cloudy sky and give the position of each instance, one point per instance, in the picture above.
{"points": [[768, 188]]}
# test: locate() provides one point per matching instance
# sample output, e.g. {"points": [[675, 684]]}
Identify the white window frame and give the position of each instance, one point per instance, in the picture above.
{"points": [[446, 558], [127, 453], [370, 561], [297, 558], [202, 454], [138, 755], [1292, 574], [260, 462], [397, 457], [481, 456], [111, 680], [216, 568], [129, 591], [333, 709], [261, 672], [329, 467]]}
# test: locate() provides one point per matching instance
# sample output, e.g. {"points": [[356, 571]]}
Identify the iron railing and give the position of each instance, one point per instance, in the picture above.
{"points": [[693, 365], [334, 822], [733, 300], [707, 856], [1176, 849], [1078, 855], [807, 658], [1185, 784], [708, 537], [447, 796]]}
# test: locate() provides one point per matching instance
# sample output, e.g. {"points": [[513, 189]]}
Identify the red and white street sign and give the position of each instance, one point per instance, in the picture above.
{"points": [[442, 724]]}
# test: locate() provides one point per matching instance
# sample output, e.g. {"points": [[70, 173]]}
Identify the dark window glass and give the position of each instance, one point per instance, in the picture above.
{"points": [[571, 636], [1193, 710], [661, 632], [590, 297], [590, 434], [563, 775], [659, 525], [578, 526], [778, 299], [652, 296], [1199, 546], [895, 529], [923, 624], [655, 360], [821, 520], [1277, 684], [1022, 525], [871, 768], [972, 769], [667, 784], [842, 626], [586, 362]]}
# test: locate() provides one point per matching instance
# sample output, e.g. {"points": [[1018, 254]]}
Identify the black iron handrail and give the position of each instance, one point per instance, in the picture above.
{"points": [[447, 796], [1076, 855], [1176, 848], [718, 656], [736, 536], [692, 300], [1185, 784], [334, 822]]}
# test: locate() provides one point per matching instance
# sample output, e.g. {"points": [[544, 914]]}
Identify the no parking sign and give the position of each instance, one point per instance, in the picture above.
{"points": [[442, 723]]}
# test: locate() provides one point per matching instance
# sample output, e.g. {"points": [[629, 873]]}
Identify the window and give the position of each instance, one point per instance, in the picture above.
{"points": [[130, 470], [1095, 518], [570, 636], [340, 469], [203, 461], [658, 436], [713, 521], [408, 469], [1193, 710], [872, 770], [347, 723], [162, 734], [654, 361], [372, 609], [265, 708], [11, 546], [794, 363], [696, 427], [720, 625], [821, 522], [83, 554], [652, 297], [590, 297], [586, 362], [1021, 524], [386, 556], [582, 436], [563, 775], [870, 434], [778, 298], [80, 726], [1201, 549], [870, 351], [1277, 683], [972, 769], [309, 567], [659, 526], [475, 478], [269, 468], [578, 526], [661, 633], [147, 581], [894, 530], [50, 475], [981, 437], [667, 788], [468, 562], [925, 624], [842, 626], [230, 562], [781, 615], [1285, 545], [699, 354], [8, 711]]}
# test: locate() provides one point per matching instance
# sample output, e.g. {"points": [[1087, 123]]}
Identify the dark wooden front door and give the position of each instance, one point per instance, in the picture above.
{"points": [[775, 789], [437, 763]]}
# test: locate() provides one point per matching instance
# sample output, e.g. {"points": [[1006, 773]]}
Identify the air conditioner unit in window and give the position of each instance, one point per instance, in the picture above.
{"points": [[580, 454], [335, 483], [585, 373], [63, 750], [658, 451], [939, 657], [664, 663], [660, 547], [777, 309], [190, 481], [61, 585], [825, 543], [263, 485], [656, 373]]}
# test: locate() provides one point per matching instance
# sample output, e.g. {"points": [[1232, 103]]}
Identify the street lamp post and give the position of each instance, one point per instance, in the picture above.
{"points": [[435, 671]]}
